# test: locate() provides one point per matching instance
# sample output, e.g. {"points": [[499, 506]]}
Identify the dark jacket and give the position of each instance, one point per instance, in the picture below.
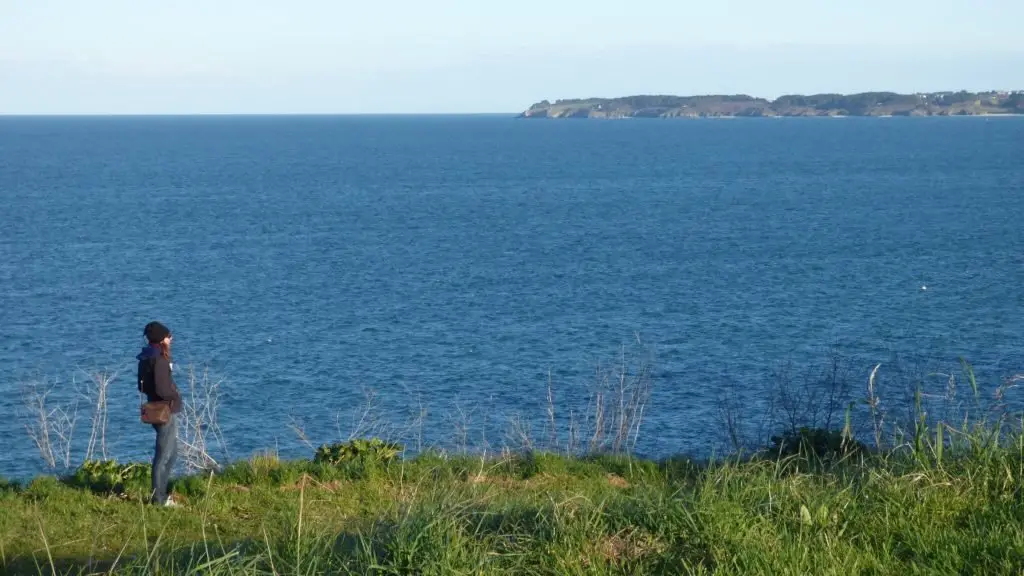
{"points": [[156, 380]]}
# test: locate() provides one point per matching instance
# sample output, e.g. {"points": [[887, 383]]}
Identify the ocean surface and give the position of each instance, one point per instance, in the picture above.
{"points": [[452, 267]]}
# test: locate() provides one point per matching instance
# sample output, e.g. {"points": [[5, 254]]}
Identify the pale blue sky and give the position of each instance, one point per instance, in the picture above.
{"points": [[345, 56]]}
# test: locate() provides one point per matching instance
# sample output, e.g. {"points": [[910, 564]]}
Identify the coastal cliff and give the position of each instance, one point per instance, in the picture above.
{"points": [[740, 105]]}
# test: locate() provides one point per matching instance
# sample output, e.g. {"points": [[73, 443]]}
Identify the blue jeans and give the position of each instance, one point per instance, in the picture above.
{"points": [[163, 458]]}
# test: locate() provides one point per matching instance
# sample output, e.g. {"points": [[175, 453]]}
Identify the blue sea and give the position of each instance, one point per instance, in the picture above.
{"points": [[453, 268]]}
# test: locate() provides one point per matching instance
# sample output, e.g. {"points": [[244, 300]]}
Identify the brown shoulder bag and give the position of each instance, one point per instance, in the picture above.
{"points": [[156, 413]]}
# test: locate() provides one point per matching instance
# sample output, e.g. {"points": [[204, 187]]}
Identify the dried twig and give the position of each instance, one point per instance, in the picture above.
{"points": [[552, 427], [877, 417], [300, 431]]}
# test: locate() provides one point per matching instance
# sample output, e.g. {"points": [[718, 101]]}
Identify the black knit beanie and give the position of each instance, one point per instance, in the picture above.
{"points": [[156, 332]]}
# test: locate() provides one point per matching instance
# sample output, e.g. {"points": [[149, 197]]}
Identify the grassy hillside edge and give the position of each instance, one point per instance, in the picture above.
{"points": [[944, 503]]}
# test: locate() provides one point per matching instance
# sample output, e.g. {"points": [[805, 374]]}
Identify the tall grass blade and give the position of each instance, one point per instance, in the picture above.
{"points": [[46, 543], [206, 566], [969, 373]]}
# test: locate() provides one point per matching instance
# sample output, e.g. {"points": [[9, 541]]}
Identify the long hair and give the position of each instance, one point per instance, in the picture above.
{"points": [[165, 349]]}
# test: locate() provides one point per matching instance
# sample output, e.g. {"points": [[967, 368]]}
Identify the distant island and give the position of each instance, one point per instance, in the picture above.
{"points": [[740, 105]]}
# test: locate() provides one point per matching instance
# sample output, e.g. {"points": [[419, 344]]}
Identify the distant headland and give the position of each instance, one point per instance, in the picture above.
{"points": [[740, 105]]}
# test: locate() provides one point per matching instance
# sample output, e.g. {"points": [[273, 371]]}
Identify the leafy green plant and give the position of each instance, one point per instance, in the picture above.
{"points": [[825, 444], [107, 476], [372, 449]]}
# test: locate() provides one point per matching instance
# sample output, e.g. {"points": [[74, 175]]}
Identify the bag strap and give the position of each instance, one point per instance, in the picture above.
{"points": [[139, 386]]}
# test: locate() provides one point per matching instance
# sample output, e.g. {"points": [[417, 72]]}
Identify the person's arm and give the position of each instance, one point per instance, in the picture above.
{"points": [[163, 384]]}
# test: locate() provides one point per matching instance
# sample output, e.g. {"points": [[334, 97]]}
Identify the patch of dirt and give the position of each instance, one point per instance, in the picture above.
{"points": [[617, 481], [510, 483], [627, 545], [332, 486]]}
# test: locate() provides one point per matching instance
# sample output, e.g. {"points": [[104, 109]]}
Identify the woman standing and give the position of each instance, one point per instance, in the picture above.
{"points": [[157, 383]]}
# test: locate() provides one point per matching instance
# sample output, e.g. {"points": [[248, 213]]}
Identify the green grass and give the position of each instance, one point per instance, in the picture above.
{"points": [[911, 512]]}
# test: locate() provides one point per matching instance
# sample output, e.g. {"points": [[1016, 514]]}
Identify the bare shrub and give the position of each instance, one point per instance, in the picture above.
{"points": [[731, 414], [921, 409], [461, 422], [95, 393], [199, 433], [815, 398], [606, 416], [50, 425], [747, 425], [1000, 405], [820, 397], [616, 406], [365, 419], [519, 435], [369, 418]]}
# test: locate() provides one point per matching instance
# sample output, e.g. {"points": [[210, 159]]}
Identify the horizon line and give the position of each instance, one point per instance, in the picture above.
{"points": [[510, 115], [193, 114]]}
